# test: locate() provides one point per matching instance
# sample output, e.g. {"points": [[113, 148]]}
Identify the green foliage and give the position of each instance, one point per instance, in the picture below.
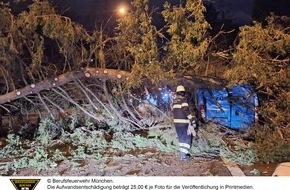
{"points": [[17, 164], [73, 123], [97, 143], [160, 140], [137, 38], [79, 153], [212, 142], [255, 172], [78, 137], [38, 160], [163, 145], [45, 134], [188, 30], [122, 141], [239, 153], [57, 155], [5, 18], [87, 143], [209, 140], [262, 58], [26, 37], [13, 147], [269, 145], [141, 142], [165, 140], [42, 15]]}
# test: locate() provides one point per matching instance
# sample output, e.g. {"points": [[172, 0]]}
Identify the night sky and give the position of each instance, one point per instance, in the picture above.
{"points": [[89, 12], [240, 10], [92, 13]]}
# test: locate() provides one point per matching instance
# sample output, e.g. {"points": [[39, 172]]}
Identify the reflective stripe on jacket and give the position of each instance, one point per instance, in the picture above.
{"points": [[181, 111]]}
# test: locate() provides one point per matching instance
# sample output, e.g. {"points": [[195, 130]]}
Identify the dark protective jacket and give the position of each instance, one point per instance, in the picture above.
{"points": [[182, 118], [181, 111]]}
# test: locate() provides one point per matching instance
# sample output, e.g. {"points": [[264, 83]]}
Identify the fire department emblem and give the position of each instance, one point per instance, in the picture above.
{"points": [[25, 184]]}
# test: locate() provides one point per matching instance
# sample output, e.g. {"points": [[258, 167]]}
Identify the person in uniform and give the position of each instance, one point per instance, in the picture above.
{"points": [[185, 123]]}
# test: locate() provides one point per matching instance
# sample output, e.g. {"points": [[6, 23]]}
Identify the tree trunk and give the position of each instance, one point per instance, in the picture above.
{"points": [[62, 79]]}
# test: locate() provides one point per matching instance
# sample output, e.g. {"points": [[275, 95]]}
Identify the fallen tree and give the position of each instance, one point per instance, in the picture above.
{"points": [[99, 73]]}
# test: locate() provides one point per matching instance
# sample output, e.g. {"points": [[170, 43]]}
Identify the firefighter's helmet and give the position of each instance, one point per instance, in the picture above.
{"points": [[180, 88]]}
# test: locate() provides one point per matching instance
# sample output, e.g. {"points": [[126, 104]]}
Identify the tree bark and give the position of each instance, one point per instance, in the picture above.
{"points": [[65, 78], [90, 72]]}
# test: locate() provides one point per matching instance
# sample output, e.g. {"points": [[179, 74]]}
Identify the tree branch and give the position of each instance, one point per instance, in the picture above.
{"points": [[62, 79]]}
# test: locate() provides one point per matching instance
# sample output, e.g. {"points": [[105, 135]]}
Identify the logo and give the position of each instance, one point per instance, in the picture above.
{"points": [[25, 184]]}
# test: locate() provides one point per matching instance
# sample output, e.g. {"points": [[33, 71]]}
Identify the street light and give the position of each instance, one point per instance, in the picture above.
{"points": [[120, 11]]}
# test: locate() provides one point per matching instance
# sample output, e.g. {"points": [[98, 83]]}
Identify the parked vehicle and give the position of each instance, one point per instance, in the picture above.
{"points": [[235, 108], [283, 169]]}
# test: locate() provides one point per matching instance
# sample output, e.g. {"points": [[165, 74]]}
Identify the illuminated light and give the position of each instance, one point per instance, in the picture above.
{"points": [[18, 93], [119, 76], [127, 78], [53, 84], [87, 74], [97, 71], [105, 71], [56, 79], [122, 10], [32, 85]]}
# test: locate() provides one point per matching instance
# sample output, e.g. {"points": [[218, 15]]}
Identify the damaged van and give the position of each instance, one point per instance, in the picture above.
{"points": [[235, 108]]}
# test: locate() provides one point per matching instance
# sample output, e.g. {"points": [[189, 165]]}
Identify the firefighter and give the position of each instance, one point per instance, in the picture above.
{"points": [[184, 123]]}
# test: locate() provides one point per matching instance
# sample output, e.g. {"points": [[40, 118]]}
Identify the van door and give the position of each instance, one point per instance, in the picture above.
{"points": [[243, 101], [217, 107]]}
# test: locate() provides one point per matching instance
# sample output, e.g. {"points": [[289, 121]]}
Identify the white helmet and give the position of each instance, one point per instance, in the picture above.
{"points": [[180, 88]]}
